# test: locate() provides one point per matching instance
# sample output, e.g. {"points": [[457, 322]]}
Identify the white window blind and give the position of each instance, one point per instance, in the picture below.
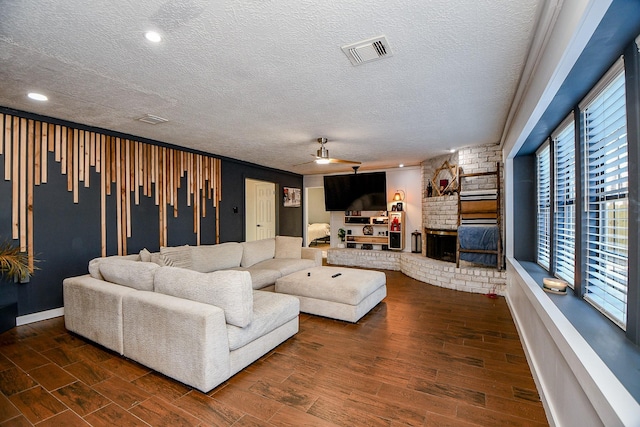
{"points": [[606, 181], [565, 199], [543, 174]]}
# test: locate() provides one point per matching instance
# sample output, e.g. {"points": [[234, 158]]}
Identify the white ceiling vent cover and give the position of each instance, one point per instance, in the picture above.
{"points": [[152, 120], [367, 50]]}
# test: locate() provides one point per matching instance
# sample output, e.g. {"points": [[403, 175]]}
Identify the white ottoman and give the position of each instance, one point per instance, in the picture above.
{"points": [[335, 292]]}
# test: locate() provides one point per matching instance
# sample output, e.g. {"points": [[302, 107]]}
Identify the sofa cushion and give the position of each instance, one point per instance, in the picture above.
{"points": [[177, 256], [288, 247], [284, 266], [270, 311], [256, 251], [134, 274], [206, 258], [94, 264], [261, 277], [229, 290]]}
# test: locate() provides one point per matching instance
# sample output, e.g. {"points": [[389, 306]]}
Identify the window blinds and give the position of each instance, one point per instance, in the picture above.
{"points": [[543, 167], [606, 194], [565, 198]]}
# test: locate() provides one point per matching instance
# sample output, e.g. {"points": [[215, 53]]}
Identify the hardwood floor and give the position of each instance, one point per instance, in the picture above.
{"points": [[425, 356]]}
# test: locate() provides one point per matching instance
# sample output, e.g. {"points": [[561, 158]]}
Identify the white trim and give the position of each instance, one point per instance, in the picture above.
{"points": [[638, 43], [561, 127], [608, 77], [571, 32], [42, 315], [562, 361]]}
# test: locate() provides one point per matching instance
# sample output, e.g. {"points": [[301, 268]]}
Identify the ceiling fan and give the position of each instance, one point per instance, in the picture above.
{"points": [[322, 156]]}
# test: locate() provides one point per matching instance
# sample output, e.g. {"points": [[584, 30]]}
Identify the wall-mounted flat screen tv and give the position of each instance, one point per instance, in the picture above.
{"points": [[356, 192]]}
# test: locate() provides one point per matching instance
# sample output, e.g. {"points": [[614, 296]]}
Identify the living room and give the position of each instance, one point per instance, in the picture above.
{"points": [[64, 214]]}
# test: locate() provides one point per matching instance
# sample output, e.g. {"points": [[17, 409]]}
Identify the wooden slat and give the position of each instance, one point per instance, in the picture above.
{"points": [[37, 140], [2, 137], [75, 166], [52, 138], [100, 153], [103, 197], [136, 176], [15, 181], [44, 163], [58, 143], [118, 177], [80, 153], [92, 149], [32, 143], [7, 147], [87, 158], [24, 128], [127, 186], [106, 165]]}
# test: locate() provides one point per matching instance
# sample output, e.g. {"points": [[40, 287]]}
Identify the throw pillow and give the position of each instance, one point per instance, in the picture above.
{"points": [[256, 251], [288, 247], [229, 290], [207, 258], [145, 255], [94, 264], [180, 256], [134, 274]]}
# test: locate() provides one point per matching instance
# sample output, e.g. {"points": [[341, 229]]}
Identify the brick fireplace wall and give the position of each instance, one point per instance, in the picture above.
{"points": [[441, 212]]}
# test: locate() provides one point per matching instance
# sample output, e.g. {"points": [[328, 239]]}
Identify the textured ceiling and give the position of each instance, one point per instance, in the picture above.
{"points": [[260, 80]]}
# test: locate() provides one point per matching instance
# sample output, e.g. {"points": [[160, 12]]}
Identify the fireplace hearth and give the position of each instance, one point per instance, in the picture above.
{"points": [[441, 244]]}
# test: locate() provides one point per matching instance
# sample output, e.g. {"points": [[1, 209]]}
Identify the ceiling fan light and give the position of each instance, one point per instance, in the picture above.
{"points": [[322, 161]]}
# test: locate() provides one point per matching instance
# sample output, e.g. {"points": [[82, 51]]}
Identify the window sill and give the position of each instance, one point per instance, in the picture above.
{"points": [[606, 339]]}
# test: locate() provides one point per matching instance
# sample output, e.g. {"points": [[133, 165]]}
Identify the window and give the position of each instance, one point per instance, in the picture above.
{"points": [[543, 168], [606, 199], [565, 199]]}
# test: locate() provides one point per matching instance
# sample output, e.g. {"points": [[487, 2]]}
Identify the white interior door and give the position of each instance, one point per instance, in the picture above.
{"points": [[265, 210]]}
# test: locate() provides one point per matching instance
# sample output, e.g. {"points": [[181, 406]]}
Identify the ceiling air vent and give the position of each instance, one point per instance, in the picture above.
{"points": [[152, 120], [367, 50]]}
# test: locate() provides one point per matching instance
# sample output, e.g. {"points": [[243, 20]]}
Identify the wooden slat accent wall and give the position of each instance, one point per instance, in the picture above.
{"points": [[134, 167]]}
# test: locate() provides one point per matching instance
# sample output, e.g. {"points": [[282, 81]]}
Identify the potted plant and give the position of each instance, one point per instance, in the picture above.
{"points": [[14, 267], [13, 263], [341, 234]]}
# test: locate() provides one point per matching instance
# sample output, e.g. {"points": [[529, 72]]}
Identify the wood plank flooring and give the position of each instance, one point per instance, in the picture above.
{"points": [[425, 356]]}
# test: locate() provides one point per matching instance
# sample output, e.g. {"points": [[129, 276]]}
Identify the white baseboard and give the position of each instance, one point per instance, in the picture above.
{"points": [[42, 315]]}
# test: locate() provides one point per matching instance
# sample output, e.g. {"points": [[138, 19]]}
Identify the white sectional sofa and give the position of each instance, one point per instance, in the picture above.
{"points": [[195, 314]]}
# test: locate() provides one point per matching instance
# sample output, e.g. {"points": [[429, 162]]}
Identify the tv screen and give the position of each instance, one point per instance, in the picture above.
{"points": [[356, 192]]}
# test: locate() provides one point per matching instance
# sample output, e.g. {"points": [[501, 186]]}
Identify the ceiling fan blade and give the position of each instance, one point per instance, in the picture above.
{"points": [[344, 161], [305, 163]]}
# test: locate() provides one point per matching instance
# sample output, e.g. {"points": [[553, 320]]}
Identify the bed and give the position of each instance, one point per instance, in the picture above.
{"points": [[318, 232]]}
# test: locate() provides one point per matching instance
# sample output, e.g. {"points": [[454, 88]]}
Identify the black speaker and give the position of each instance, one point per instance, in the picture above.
{"points": [[394, 241]]}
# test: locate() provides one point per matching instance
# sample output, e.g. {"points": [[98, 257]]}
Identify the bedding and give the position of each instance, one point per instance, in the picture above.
{"points": [[319, 230]]}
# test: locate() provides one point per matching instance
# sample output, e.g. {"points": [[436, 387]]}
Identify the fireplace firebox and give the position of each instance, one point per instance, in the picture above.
{"points": [[441, 244]]}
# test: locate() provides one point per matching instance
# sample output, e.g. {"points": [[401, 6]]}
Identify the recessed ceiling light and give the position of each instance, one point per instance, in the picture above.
{"points": [[37, 96], [153, 36]]}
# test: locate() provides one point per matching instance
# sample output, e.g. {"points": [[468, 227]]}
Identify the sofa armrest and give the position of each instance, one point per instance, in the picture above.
{"points": [[185, 340], [93, 309], [313, 254]]}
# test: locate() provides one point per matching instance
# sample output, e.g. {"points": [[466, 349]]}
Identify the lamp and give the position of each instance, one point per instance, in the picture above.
{"points": [[398, 197]]}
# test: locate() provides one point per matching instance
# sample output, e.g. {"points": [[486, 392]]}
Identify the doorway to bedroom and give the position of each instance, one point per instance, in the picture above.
{"points": [[318, 219]]}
